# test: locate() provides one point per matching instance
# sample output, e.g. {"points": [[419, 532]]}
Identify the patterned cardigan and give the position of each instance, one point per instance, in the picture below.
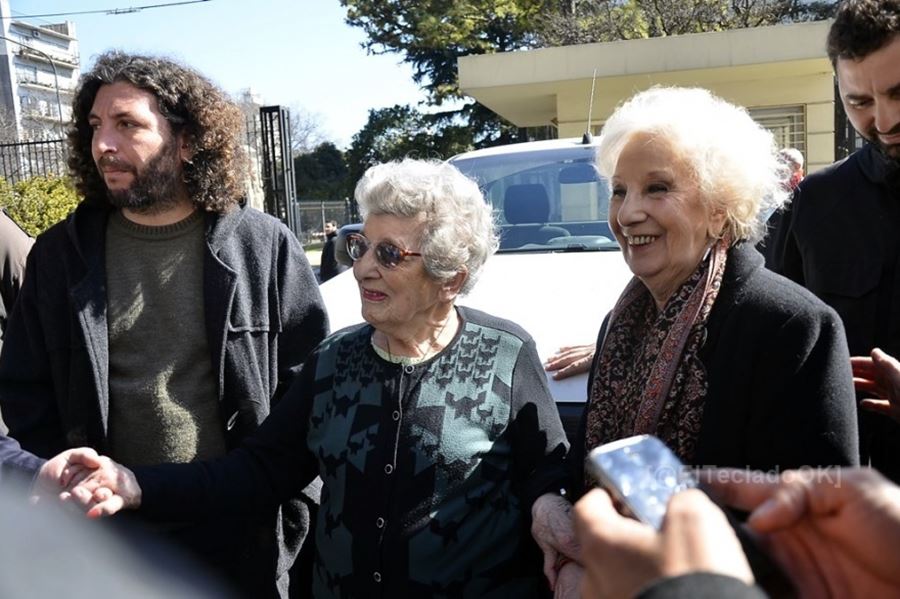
{"points": [[429, 470]]}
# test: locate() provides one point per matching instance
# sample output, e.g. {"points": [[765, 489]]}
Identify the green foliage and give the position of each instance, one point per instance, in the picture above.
{"points": [[432, 34], [321, 174], [400, 132], [39, 202], [588, 21]]}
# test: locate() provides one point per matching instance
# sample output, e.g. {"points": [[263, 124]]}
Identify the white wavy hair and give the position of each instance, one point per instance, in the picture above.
{"points": [[734, 160], [460, 232]]}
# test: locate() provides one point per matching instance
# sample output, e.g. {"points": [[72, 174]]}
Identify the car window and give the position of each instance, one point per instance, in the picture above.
{"points": [[546, 200]]}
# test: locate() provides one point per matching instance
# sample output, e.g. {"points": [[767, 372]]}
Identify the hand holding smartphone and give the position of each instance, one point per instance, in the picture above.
{"points": [[642, 474]]}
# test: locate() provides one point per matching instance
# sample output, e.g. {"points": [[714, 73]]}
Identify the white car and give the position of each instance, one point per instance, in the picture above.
{"points": [[558, 270]]}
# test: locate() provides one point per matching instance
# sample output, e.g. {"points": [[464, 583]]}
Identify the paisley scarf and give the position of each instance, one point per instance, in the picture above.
{"points": [[649, 378]]}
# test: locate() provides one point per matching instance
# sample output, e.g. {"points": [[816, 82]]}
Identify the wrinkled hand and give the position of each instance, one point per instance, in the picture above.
{"points": [[568, 581], [570, 360], [108, 489], [61, 471], [621, 556], [551, 527], [834, 532], [880, 376]]}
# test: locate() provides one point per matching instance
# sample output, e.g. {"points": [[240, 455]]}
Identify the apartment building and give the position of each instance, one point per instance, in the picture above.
{"points": [[39, 69]]}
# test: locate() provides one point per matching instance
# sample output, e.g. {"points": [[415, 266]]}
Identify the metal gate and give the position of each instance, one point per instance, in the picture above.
{"points": [[278, 166]]}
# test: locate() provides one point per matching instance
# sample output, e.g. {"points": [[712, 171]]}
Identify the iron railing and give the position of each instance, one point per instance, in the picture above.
{"points": [[27, 159]]}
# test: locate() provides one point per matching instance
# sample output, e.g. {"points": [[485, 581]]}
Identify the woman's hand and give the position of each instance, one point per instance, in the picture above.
{"points": [[570, 360], [108, 489], [62, 471], [551, 527], [568, 581]]}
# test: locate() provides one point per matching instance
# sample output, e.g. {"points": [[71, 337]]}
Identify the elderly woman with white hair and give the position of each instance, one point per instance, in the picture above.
{"points": [[431, 425], [726, 362]]}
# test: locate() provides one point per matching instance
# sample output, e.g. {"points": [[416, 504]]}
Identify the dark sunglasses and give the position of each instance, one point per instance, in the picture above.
{"points": [[387, 254]]}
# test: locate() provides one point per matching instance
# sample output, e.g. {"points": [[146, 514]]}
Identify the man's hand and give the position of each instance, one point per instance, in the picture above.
{"points": [[108, 489], [570, 360], [834, 532], [621, 556], [551, 527], [61, 471], [880, 376]]}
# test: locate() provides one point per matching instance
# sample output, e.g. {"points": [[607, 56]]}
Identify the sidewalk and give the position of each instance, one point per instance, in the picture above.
{"points": [[314, 257]]}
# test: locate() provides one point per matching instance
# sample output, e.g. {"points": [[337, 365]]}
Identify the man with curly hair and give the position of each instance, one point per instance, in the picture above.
{"points": [[161, 320], [839, 236]]}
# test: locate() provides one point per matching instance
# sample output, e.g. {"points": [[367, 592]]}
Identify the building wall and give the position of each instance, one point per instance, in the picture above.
{"points": [[779, 73], [814, 94]]}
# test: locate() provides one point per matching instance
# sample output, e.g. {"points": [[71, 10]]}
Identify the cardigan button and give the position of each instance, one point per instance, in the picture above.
{"points": [[377, 576], [409, 368], [388, 468]]}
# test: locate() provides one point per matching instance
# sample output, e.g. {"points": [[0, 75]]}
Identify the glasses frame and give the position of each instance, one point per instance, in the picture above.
{"points": [[383, 249]]}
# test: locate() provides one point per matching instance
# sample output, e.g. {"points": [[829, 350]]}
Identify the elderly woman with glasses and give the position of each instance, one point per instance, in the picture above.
{"points": [[726, 362], [431, 425]]}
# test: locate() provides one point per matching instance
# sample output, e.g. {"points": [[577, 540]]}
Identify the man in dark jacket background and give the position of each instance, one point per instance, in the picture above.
{"points": [[329, 266], [161, 320], [839, 237]]}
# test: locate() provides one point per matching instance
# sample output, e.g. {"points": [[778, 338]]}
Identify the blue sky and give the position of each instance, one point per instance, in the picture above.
{"points": [[291, 52]]}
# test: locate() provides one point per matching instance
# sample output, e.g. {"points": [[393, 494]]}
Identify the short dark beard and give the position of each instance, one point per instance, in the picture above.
{"points": [[156, 187], [891, 152]]}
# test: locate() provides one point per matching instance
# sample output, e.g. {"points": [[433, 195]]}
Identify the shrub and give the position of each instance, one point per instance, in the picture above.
{"points": [[38, 202]]}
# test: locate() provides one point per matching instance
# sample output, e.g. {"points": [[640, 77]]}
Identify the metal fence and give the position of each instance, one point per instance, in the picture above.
{"points": [[313, 214], [28, 159]]}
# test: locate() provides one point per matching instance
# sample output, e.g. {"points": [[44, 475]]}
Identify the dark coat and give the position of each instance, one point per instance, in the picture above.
{"points": [[839, 239], [263, 313], [780, 390], [328, 265]]}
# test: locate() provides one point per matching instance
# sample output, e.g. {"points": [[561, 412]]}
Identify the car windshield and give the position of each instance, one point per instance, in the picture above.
{"points": [[545, 200]]}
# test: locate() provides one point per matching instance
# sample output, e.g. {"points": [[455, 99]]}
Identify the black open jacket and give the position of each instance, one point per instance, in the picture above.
{"points": [[780, 391]]}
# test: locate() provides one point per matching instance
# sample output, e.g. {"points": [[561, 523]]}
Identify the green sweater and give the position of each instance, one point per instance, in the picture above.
{"points": [[163, 404]]}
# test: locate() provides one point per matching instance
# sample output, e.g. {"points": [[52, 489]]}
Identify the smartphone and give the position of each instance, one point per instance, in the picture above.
{"points": [[641, 474]]}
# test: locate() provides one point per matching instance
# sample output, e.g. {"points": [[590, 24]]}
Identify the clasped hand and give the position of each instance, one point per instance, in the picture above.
{"points": [[97, 484]]}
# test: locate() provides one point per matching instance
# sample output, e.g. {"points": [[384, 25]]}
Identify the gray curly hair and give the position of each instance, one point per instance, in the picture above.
{"points": [[460, 232]]}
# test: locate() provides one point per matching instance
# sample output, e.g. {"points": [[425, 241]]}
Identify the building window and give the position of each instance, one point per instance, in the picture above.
{"points": [[787, 124], [846, 139], [27, 73]]}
